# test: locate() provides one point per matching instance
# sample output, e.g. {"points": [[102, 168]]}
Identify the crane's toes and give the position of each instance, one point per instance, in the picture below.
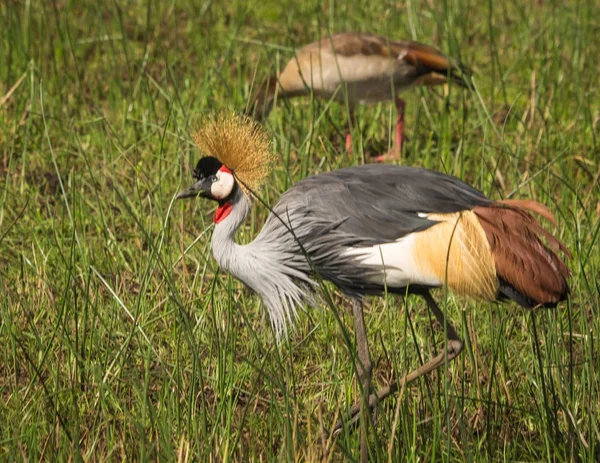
{"points": [[353, 417], [350, 421]]}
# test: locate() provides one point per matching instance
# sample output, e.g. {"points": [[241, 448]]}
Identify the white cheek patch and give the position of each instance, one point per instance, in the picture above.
{"points": [[223, 186]]}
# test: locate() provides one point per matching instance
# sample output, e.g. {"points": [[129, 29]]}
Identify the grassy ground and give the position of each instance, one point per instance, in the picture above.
{"points": [[119, 337]]}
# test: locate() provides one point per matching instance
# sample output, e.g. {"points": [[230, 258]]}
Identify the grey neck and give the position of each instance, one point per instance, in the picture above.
{"points": [[224, 248], [268, 265]]}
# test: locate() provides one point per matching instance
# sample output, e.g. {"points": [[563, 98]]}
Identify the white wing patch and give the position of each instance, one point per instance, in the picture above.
{"points": [[398, 260], [454, 251]]}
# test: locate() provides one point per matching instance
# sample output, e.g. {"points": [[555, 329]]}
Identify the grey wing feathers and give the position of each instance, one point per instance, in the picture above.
{"points": [[358, 206], [378, 204]]}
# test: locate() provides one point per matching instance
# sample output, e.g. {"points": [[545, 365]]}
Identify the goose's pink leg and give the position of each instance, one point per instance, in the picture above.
{"points": [[394, 153], [348, 143], [351, 125]]}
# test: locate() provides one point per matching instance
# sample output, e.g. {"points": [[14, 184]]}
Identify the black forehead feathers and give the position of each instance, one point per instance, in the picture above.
{"points": [[206, 167]]}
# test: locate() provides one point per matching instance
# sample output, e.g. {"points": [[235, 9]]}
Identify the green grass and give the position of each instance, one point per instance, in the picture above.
{"points": [[121, 340]]}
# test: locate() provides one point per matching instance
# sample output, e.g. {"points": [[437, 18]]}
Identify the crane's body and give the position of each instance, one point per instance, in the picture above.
{"points": [[369, 229], [373, 228], [358, 68]]}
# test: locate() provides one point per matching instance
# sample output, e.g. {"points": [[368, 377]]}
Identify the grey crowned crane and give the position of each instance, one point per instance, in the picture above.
{"points": [[367, 229], [371, 68]]}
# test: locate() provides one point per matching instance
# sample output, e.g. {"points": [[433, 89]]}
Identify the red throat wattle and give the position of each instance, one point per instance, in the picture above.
{"points": [[222, 212]]}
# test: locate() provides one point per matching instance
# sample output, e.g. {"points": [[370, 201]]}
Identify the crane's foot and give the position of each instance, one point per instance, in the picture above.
{"points": [[453, 348], [353, 414]]}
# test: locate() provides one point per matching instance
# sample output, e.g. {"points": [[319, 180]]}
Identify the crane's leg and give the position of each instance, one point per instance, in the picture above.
{"points": [[365, 368], [453, 348], [394, 153]]}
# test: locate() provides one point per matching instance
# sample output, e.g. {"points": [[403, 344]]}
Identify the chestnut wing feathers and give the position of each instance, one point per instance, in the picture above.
{"points": [[529, 272]]}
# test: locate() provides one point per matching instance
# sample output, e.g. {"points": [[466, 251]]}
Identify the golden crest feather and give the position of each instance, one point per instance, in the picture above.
{"points": [[241, 144]]}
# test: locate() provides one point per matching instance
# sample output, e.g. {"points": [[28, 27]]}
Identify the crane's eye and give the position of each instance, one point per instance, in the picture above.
{"points": [[213, 178]]}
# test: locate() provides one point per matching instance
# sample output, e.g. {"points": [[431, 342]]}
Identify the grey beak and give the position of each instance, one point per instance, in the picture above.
{"points": [[193, 191]]}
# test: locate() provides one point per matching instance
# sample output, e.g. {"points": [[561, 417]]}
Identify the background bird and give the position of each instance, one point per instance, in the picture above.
{"points": [[365, 68], [369, 229]]}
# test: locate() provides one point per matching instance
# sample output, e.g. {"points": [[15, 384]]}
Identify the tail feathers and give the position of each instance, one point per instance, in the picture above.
{"points": [[532, 206], [538, 208], [530, 272], [507, 291]]}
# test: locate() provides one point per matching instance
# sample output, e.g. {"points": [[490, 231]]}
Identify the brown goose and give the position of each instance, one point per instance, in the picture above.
{"points": [[365, 67]]}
